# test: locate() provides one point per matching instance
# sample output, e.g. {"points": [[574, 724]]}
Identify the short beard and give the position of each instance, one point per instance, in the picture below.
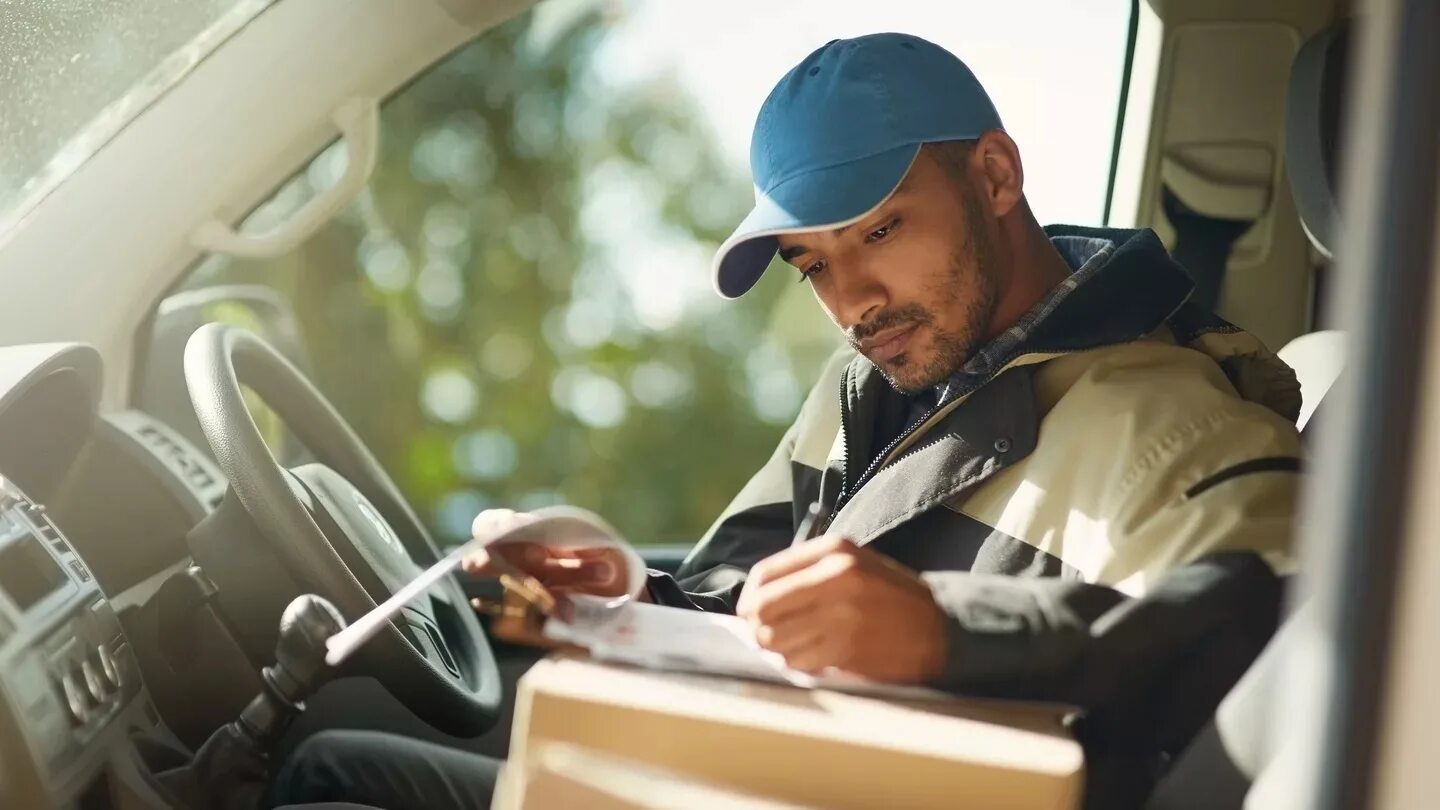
{"points": [[979, 290]]}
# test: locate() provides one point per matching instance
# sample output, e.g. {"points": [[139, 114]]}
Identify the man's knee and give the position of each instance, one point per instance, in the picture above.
{"points": [[320, 764], [384, 770]]}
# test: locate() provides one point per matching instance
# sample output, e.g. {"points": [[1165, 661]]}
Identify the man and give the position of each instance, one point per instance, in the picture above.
{"points": [[1041, 473]]}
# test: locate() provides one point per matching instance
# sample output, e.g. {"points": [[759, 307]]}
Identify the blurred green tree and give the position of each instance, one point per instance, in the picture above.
{"points": [[481, 339]]}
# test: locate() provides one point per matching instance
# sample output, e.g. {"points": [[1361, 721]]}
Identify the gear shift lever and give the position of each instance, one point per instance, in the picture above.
{"points": [[298, 671], [229, 769]]}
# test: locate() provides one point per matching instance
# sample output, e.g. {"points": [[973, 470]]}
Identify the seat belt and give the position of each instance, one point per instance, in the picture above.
{"points": [[1202, 246]]}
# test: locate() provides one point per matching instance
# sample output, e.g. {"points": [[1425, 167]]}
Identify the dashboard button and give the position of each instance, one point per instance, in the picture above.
{"points": [[75, 699], [80, 570], [95, 682], [110, 668]]}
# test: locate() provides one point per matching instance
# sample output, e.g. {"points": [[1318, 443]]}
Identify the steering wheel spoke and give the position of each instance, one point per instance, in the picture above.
{"points": [[442, 597], [425, 633]]}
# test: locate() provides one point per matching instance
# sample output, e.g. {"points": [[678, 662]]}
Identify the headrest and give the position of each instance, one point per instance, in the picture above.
{"points": [[1313, 128]]}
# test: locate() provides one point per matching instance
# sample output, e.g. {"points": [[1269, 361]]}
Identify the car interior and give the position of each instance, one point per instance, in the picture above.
{"points": [[173, 474]]}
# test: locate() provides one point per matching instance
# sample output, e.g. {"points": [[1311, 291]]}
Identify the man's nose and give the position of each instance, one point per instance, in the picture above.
{"points": [[859, 294]]}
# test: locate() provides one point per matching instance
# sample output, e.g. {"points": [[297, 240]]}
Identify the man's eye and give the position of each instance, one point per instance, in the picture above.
{"points": [[882, 231], [812, 269]]}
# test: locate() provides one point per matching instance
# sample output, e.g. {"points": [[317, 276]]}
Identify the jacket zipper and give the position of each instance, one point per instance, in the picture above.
{"points": [[845, 463], [877, 462]]}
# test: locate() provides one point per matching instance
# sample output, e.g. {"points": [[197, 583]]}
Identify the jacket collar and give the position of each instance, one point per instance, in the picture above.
{"points": [[1137, 292], [961, 448], [1131, 296], [1128, 297]]}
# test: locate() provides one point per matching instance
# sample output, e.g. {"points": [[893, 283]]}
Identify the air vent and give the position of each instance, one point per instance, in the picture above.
{"points": [[178, 457], [45, 528], [188, 475], [52, 536]]}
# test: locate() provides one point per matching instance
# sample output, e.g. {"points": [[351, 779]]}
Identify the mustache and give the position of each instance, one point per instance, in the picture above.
{"points": [[887, 319]]}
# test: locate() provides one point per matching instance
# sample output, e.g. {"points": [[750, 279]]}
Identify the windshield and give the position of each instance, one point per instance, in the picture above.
{"points": [[74, 72], [518, 312]]}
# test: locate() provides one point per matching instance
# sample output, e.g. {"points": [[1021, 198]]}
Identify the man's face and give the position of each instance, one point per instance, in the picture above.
{"points": [[913, 284]]}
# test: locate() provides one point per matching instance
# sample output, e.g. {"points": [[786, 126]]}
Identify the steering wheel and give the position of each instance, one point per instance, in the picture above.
{"points": [[326, 528]]}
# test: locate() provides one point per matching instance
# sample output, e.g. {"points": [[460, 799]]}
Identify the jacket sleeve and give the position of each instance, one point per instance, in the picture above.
{"points": [[1173, 602], [1085, 644], [1146, 673], [1174, 502], [761, 519]]}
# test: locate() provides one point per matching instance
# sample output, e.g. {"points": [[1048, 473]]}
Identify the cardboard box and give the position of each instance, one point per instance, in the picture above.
{"points": [[560, 775], [788, 745]]}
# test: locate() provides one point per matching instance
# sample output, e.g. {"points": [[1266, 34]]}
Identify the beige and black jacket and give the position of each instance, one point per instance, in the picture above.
{"points": [[1122, 489]]}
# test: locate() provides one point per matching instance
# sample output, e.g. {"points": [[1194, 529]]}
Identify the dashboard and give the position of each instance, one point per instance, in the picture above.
{"points": [[85, 612], [68, 673], [118, 661]]}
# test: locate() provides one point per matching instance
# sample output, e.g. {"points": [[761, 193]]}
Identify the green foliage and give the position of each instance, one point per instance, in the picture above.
{"points": [[440, 312]]}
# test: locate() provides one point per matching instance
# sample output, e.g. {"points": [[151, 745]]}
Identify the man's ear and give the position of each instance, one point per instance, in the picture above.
{"points": [[997, 160]]}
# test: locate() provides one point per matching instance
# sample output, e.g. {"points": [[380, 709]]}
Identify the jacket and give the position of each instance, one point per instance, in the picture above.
{"points": [[1119, 493]]}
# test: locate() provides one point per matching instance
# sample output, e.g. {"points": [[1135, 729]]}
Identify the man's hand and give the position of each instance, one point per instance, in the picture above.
{"points": [[828, 603], [599, 571]]}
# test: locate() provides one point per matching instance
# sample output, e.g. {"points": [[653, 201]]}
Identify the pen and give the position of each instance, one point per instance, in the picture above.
{"points": [[807, 524]]}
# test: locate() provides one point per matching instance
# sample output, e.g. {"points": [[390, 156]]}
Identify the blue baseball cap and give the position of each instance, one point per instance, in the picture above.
{"points": [[837, 135]]}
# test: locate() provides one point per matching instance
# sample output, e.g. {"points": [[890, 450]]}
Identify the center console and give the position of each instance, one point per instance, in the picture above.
{"points": [[84, 653], [71, 695], [77, 726]]}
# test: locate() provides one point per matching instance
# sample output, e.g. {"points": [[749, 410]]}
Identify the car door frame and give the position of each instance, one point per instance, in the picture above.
{"points": [[1359, 694]]}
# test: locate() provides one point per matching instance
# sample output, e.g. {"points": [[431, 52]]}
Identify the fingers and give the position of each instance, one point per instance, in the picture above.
{"points": [[492, 523], [825, 653], [822, 583], [810, 642], [553, 567], [790, 638], [486, 524], [812, 606], [496, 521], [805, 613], [562, 607], [475, 562], [815, 639], [608, 569], [577, 573], [599, 570], [519, 555], [783, 564]]}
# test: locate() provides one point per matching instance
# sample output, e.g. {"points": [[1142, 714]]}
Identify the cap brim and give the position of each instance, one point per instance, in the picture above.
{"points": [[832, 197]]}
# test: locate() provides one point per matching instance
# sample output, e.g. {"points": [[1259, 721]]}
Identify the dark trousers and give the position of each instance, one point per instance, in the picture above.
{"points": [[385, 771]]}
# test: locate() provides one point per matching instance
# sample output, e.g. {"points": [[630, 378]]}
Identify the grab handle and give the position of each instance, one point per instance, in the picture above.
{"points": [[359, 123]]}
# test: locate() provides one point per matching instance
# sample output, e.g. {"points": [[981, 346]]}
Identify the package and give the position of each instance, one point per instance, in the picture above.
{"points": [[791, 746]]}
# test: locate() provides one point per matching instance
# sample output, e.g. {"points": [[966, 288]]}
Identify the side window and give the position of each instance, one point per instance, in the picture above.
{"points": [[517, 311]]}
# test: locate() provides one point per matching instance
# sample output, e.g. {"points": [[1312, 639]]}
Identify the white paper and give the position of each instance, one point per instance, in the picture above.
{"points": [[680, 640]]}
